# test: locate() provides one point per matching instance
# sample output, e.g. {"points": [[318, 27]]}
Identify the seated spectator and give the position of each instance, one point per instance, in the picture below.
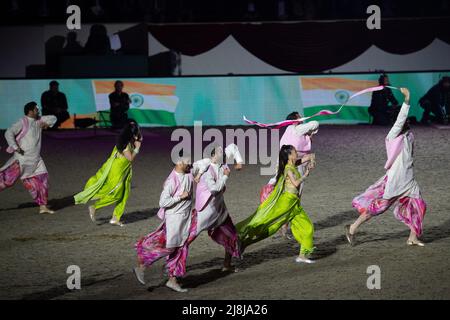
{"points": [[73, 47], [98, 41], [437, 102], [383, 107], [54, 103], [120, 103]]}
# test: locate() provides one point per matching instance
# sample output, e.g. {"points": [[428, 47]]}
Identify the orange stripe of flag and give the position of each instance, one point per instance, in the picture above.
{"points": [[331, 83], [106, 87]]}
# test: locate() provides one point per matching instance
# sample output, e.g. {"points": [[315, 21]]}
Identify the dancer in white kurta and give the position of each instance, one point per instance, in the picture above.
{"points": [[212, 213], [179, 224], [398, 186], [24, 140]]}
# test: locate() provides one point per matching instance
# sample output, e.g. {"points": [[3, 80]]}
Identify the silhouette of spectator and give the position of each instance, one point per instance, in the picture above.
{"points": [[53, 52], [98, 41], [120, 103], [54, 103], [73, 47], [383, 107], [437, 102]]}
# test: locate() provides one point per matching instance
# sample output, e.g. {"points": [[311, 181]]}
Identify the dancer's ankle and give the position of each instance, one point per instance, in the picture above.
{"points": [[352, 229]]}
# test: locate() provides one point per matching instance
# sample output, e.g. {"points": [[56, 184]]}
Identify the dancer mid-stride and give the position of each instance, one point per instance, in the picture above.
{"points": [[299, 136], [282, 206], [212, 213], [111, 184], [398, 186], [24, 140], [178, 229]]}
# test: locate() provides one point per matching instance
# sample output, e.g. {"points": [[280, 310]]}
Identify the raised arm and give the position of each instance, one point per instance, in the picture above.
{"points": [[232, 151], [11, 133], [401, 118], [307, 128], [49, 121], [200, 166]]}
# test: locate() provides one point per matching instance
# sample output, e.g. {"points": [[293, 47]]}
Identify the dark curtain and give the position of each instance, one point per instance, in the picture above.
{"points": [[306, 46], [192, 39]]}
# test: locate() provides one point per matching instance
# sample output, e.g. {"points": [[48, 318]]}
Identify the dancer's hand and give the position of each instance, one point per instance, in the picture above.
{"points": [[306, 173], [137, 144], [238, 166], [184, 195], [226, 172], [406, 93]]}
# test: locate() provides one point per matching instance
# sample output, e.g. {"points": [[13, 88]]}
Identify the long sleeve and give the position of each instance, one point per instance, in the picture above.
{"points": [[11, 133], [200, 166], [215, 186], [232, 151], [50, 120], [309, 127], [166, 200], [399, 123]]}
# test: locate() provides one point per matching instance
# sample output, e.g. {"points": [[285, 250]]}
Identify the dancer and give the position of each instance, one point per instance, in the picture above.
{"points": [[112, 183], [171, 239], [212, 213], [282, 206], [298, 135], [398, 186], [24, 140]]}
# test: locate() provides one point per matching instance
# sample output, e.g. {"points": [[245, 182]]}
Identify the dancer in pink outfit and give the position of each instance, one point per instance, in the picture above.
{"points": [[398, 186]]}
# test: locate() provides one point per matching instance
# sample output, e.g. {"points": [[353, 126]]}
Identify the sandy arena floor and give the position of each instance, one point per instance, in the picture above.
{"points": [[35, 250]]}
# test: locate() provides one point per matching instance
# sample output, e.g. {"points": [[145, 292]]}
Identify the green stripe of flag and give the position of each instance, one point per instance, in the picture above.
{"points": [[154, 117], [352, 113]]}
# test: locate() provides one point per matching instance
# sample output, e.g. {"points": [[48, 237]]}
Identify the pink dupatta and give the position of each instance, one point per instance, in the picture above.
{"points": [[22, 133], [202, 194], [393, 148], [174, 178]]}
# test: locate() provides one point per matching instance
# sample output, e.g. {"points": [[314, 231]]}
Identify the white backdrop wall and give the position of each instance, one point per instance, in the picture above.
{"points": [[25, 46]]}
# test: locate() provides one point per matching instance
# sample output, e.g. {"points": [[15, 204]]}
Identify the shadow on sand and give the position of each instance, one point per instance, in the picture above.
{"points": [[54, 204]]}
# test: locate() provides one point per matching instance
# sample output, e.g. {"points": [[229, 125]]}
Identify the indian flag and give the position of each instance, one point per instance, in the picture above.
{"points": [[151, 104], [330, 93]]}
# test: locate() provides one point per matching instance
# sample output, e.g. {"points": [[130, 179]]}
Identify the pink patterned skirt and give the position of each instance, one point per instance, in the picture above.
{"points": [[411, 211]]}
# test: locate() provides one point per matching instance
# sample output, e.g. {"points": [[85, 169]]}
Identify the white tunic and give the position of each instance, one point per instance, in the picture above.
{"points": [[31, 163], [401, 176], [178, 212], [215, 212]]}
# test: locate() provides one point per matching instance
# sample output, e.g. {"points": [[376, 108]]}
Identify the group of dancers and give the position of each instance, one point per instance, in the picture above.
{"points": [[205, 182]]}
